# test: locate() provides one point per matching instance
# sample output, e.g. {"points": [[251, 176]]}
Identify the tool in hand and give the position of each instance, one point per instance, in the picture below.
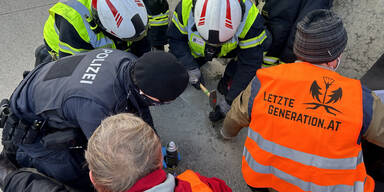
{"points": [[212, 95]]}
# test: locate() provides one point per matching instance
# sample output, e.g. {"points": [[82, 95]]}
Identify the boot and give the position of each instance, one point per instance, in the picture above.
{"points": [[42, 55], [6, 167]]}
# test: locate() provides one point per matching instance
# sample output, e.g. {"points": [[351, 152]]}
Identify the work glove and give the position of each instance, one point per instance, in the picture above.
{"points": [[195, 78], [220, 111]]}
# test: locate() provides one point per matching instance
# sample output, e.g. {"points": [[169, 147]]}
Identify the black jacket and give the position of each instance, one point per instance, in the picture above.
{"points": [[281, 18], [79, 91]]}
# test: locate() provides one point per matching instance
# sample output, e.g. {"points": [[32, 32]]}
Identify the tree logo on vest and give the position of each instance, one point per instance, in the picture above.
{"points": [[322, 101]]}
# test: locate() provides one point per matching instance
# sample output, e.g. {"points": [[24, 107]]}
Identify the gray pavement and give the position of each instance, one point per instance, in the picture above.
{"points": [[186, 120]]}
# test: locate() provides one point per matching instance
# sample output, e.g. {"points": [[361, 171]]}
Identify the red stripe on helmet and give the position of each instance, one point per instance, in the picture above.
{"points": [[139, 3], [94, 4], [204, 9], [119, 21], [111, 7], [228, 22], [117, 16], [228, 16]]}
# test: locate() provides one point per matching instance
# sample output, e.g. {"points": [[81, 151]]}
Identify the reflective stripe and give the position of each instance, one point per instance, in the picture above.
{"points": [[158, 20], [63, 47], [83, 11], [251, 12], [177, 23], [305, 158], [253, 42], [270, 60], [305, 186]]}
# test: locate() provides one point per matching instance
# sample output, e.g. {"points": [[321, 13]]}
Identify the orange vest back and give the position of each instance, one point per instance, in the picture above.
{"points": [[196, 184], [305, 124]]}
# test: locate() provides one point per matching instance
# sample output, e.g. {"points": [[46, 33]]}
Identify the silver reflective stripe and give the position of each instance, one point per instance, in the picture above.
{"points": [[255, 41], [248, 5], [158, 22], [179, 24], [63, 47], [305, 186], [305, 158], [80, 8]]}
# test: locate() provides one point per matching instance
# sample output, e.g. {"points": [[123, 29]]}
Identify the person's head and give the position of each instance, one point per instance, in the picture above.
{"points": [[124, 19], [159, 76], [217, 21], [122, 150], [320, 38]]}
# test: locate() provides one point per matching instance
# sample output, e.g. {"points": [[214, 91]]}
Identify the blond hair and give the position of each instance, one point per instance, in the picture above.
{"points": [[122, 150]]}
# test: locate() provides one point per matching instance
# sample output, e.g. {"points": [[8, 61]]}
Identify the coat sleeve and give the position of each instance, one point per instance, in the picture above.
{"points": [[238, 116], [250, 58], [158, 11], [373, 123], [70, 42], [178, 39]]}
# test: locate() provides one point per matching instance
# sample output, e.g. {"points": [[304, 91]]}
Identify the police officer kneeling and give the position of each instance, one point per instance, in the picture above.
{"points": [[58, 105]]}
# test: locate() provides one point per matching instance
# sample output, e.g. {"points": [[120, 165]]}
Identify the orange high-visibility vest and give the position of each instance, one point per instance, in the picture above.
{"points": [[304, 131], [196, 184]]}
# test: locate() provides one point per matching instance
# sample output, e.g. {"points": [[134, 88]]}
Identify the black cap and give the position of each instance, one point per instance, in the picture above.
{"points": [[159, 74]]}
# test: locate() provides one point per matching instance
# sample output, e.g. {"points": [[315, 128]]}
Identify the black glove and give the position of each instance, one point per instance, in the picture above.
{"points": [[220, 111]]}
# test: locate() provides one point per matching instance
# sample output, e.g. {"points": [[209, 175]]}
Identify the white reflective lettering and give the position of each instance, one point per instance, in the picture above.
{"points": [[92, 69], [101, 55], [89, 76], [90, 73], [86, 82]]}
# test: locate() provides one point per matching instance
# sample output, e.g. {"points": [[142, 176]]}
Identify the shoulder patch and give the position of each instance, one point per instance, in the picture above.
{"points": [[63, 67]]}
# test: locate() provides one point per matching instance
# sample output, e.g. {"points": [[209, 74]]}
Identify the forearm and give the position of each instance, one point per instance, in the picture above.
{"points": [[249, 60]]}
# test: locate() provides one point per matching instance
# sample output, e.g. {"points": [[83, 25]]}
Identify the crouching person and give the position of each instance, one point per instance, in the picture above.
{"points": [[123, 154]]}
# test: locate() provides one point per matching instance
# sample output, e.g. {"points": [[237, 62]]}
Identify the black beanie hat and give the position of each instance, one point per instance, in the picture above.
{"points": [[320, 37], [160, 75]]}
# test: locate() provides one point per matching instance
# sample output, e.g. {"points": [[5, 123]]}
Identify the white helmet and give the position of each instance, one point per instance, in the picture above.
{"points": [[217, 20], [124, 19]]}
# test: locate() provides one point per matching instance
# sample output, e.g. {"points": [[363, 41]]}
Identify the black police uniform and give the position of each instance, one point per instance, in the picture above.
{"points": [[71, 93]]}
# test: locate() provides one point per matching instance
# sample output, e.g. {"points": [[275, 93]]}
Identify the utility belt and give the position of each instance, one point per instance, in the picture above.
{"points": [[17, 132]]}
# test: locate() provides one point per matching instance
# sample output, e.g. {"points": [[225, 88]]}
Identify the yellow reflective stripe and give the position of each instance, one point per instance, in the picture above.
{"points": [[177, 23], [253, 42], [64, 47], [158, 22]]}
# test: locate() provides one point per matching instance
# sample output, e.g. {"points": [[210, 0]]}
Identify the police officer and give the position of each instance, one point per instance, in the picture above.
{"points": [[76, 26], [58, 105], [202, 30]]}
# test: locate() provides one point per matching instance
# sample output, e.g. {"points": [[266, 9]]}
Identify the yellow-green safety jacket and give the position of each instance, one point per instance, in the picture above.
{"points": [[197, 43], [78, 14]]}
